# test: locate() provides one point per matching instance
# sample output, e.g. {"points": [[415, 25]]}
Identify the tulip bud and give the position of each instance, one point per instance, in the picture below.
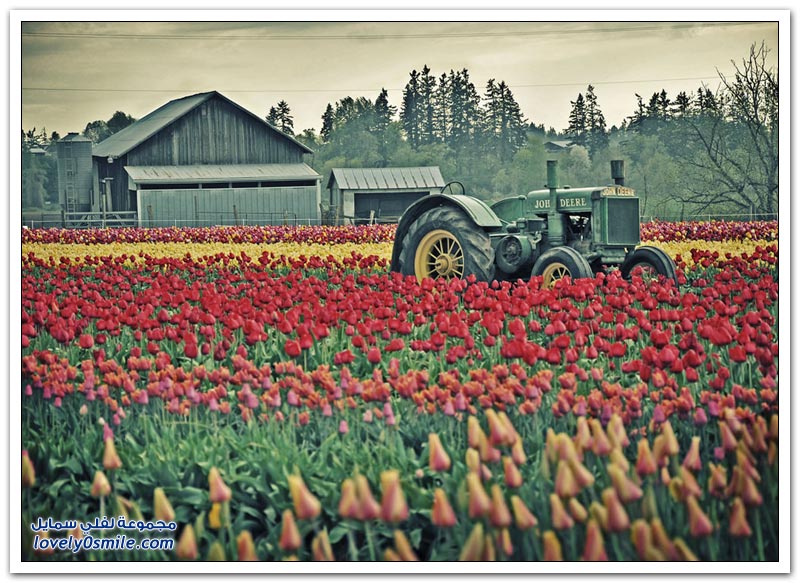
{"points": [[577, 510], [100, 485], [499, 515], [187, 545], [552, 547], [773, 427], [671, 442], [699, 523], [479, 502], [583, 435], [727, 439], [306, 505], [394, 507], [246, 549], [28, 473], [390, 555], [684, 553], [290, 535], [498, 431], [473, 547], [348, 503], [321, 547], [565, 485], [215, 516], [618, 458], [216, 552], [618, 520], [738, 521], [594, 549], [111, 460], [369, 509], [403, 547], [217, 490], [523, 518], [662, 541], [559, 517], [624, 486], [162, 509], [717, 480], [692, 460], [641, 537], [599, 513], [473, 460], [504, 542], [489, 553], [473, 431], [439, 461], [511, 473], [645, 462], [518, 453], [442, 514], [617, 434], [601, 446]]}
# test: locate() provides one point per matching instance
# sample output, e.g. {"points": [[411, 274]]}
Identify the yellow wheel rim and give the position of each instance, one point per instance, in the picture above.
{"points": [[439, 255], [553, 272]]}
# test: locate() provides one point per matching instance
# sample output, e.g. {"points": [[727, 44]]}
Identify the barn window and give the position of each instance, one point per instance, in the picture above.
{"points": [[245, 185]]}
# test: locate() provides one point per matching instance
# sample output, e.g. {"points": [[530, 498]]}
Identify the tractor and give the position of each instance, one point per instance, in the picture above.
{"points": [[554, 233]]}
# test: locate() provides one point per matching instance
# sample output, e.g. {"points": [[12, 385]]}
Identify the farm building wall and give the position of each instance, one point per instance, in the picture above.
{"points": [[215, 132], [229, 206]]}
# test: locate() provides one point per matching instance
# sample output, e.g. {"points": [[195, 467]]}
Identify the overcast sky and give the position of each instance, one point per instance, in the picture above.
{"points": [[77, 72]]}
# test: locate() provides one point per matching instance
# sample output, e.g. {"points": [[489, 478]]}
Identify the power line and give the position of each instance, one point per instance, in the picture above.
{"points": [[412, 36], [333, 90]]}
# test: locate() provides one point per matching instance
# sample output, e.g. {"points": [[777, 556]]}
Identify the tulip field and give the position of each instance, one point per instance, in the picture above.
{"points": [[278, 394]]}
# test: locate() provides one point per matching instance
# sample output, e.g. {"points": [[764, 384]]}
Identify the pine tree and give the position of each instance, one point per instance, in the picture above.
{"points": [[427, 92], [577, 121], [441, 110], [327, 124], [596, 137], [410, 112]]}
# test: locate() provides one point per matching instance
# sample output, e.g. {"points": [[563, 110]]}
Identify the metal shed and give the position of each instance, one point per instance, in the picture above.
{"points": [[380, 194]]}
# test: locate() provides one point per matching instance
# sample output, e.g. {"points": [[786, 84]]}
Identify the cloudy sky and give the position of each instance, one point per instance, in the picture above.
{"points": [[76, 72]]}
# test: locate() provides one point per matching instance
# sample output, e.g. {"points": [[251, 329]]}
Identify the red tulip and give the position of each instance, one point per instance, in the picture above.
{"points": [[290, 535]]}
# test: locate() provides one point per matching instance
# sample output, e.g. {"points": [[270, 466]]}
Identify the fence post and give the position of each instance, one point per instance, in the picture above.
{"points": [[235, 216]]}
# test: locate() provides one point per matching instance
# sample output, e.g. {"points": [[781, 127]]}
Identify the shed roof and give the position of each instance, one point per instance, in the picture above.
{"points": [[559, 143], [220, 173], [128, 138], [386, 178], [74, 137]]}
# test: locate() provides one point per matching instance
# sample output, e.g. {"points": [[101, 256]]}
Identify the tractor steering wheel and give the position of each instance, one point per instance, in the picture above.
{"points": [[449, 187]]}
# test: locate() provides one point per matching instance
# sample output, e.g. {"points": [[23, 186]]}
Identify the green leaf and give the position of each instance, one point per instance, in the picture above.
{"points": [[338, 533]]}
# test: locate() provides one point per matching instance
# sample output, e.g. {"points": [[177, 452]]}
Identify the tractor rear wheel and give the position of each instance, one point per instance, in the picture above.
{"points": [[652, 260], [559, 262], [444, 243]]}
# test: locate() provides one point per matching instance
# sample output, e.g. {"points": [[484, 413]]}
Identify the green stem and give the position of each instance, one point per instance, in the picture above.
{"points": [[351, 543], [370, 542], [759, 536]]}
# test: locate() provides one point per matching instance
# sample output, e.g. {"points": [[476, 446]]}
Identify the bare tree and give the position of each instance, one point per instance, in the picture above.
{"points": [[732, 148]]}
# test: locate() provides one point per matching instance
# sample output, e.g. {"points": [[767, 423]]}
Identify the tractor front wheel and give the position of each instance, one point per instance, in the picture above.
{"points": [[559, 262], [444, 243], [652, 260]]}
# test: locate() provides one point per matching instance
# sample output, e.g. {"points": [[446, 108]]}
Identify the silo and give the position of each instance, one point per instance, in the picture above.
{"points": [[74, 156]]}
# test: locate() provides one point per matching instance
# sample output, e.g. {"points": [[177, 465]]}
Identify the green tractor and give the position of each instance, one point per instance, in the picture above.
{"points": [[554, 233]]}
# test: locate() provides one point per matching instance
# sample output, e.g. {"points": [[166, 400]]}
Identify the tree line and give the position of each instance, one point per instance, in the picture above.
{"points": [[699, 152]]}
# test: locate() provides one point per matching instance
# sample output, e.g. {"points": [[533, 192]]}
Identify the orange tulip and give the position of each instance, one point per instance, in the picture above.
{"points": [[690, 485], [369, 509], [187, 545], [594, 549], [473, 431], [523, 518], [498, 431], [28, 473], [738, 521], [403, 547], [504, 542], [726, 436], [626, 489], [100, 485], [479, 502], [321, 547], [518, 453], [645, 462], [393, 503], [641, 537], [439, 461], [559, 517], [699, 523], [511, 473], [442, 514], [214, 516], [217, 490], [750, 493], [499, 515], [598, 512], [551, 445], [618, 520], [662, 541], [717, 480], [671, 442], [503, 416], [565, 486], [552, 547], [583, 435], [473, 547], [692, 460], [660, 450], [348, 502], [306, 505], [246, 549], [583, 477], [488, 452], [744, 460], [111, 460], [162, 509], [577, 510], [290, 535], [684, 552], [601, 446]]}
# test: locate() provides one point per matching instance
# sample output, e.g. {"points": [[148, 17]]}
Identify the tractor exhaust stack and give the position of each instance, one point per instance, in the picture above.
{"points": [[555, 226], [618, 172]]}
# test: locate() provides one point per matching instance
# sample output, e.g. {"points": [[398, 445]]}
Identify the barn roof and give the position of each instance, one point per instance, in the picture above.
{"points": [[386, 178], [128, 138], [220, 173]]}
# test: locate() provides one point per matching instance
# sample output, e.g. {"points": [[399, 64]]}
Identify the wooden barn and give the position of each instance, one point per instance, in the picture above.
{"points": [[381, 195], [204, 160]]}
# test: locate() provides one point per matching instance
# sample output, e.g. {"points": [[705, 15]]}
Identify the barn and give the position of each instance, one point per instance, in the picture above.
{"points": [[205, 160], [379, 194]]}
